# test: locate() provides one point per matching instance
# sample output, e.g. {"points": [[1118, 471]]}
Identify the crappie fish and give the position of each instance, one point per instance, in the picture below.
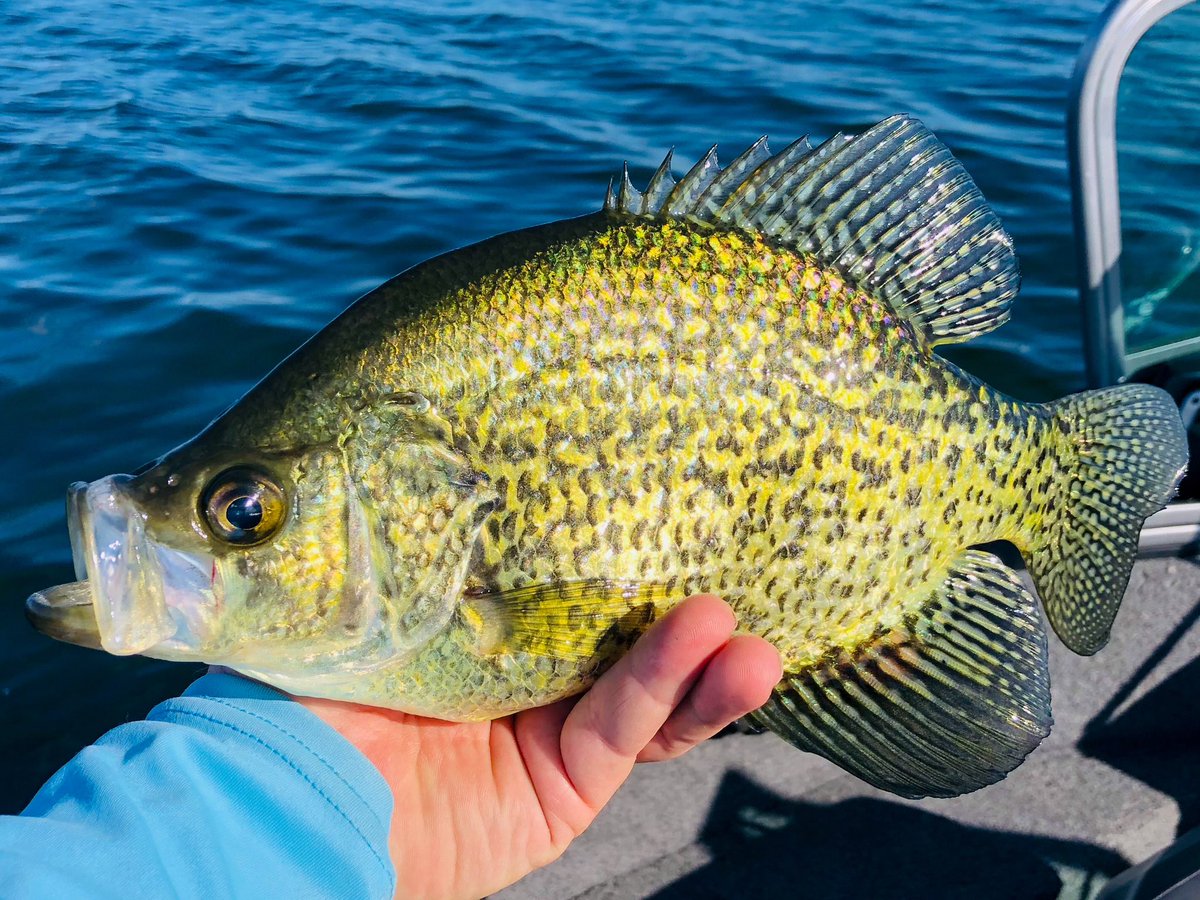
{"points": [[471, 492]]}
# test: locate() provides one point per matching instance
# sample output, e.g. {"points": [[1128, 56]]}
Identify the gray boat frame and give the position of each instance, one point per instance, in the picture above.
{"points": [[1096, 203]]}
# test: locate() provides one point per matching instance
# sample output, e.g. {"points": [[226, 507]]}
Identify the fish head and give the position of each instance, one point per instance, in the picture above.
{"points": [[201, 555], [290, 565]]}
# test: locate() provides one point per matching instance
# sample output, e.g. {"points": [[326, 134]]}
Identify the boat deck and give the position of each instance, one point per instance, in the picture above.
{"points": [[748, 816]]}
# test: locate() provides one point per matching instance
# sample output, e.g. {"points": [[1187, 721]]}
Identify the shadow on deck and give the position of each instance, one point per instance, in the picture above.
{"points": [[765, 845], [1157, 738]]}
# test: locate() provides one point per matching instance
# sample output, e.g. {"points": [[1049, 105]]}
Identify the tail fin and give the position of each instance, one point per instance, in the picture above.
{"points": [[1122, 454]]}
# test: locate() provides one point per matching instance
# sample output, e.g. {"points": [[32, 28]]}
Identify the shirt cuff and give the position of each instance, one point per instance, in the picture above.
{"points": [[289, 734]]}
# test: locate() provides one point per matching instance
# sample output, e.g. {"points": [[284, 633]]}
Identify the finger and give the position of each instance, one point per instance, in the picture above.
{"points": [[738, 680], [538, 733], [627, 706]]}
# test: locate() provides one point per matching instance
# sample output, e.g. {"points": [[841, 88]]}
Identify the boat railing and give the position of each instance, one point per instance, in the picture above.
{"points": [[1134, 150]]}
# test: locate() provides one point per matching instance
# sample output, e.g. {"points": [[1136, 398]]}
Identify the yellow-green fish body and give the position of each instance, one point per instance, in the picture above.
{"points": [[748, 424], [470, 493]]}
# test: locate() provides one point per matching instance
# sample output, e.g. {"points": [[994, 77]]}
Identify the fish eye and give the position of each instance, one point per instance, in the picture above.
{"points": [[243, 506]]}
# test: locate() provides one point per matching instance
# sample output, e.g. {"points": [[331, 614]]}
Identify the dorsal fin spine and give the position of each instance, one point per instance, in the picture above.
{"points": [[610, 198], [714, 196], [629, 197], [660, 187], [682, 199]]}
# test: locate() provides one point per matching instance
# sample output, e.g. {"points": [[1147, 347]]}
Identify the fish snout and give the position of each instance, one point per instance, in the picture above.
{"points": [[139, 594]]}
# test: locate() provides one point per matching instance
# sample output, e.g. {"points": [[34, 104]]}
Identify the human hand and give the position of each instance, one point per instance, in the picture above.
{"points": [[478, 805]]}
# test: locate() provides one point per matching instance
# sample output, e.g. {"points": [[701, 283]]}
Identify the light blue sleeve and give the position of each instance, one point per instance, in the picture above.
{"points": [[232, 790]]}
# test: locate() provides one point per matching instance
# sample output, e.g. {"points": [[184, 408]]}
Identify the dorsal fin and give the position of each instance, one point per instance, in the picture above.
{"points": [[891, 209], [742, 204]]}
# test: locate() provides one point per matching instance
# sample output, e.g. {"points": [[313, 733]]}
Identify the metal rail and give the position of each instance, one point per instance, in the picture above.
{"points": [[1092, 143], [1096, 205]]}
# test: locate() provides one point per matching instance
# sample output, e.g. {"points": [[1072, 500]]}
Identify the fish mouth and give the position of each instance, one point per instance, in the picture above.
{"points": [[134, 594]]}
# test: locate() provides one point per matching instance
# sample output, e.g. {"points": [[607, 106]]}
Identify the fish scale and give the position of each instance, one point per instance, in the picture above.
{"points": [[497, 469]]}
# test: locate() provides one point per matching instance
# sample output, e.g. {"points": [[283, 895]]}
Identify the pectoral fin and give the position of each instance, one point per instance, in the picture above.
{"points": [[567, 620], [950, 703]]}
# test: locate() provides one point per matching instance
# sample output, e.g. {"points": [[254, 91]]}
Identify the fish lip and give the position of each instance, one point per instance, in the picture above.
{"points": [[145, 597], [65, 612]]}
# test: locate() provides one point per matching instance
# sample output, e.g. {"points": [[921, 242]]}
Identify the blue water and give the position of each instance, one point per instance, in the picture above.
{"points": [[188, 189]]}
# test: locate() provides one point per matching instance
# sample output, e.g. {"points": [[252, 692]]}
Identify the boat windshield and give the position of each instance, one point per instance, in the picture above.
{"points": [[1158, 169]]}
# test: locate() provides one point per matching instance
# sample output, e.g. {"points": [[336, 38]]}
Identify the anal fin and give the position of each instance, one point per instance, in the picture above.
{"points": [[951, 702]]}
